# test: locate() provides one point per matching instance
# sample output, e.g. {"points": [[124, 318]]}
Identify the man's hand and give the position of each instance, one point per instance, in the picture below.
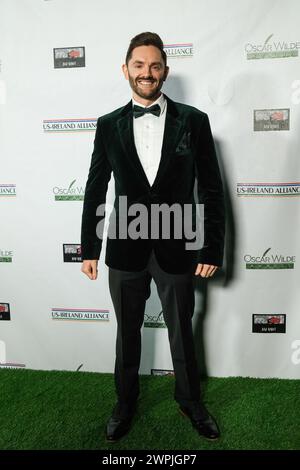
{"points": [[89, 267], [205, 270]]}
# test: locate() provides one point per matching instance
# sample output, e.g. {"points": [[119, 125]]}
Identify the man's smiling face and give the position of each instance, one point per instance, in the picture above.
{"points": [[146, 73]]}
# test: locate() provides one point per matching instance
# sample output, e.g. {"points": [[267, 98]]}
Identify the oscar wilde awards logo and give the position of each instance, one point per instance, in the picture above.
{"points": [[72, 253], [6, 256], [271, 120], [71, 193], [267, 323], [271, 49], [4, 311], [69, 57], [154, 321], [268, 189], [269, 261]]}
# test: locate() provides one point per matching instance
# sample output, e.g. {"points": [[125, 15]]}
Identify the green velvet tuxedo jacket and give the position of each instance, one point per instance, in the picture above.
{"points": [[188, 155]]}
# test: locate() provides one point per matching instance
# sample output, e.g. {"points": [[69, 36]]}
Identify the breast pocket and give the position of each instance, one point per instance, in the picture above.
{"points": [[183, 153]]}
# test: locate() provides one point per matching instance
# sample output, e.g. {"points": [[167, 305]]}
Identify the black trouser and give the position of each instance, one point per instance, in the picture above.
{"points": [[129, 292]]}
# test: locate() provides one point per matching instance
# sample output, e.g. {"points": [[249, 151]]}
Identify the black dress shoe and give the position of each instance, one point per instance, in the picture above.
{"points": [[119, 423], [202, 421]]}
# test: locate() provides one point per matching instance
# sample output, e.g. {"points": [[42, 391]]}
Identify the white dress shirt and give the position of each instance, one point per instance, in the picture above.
{"points": [[148, 133]]}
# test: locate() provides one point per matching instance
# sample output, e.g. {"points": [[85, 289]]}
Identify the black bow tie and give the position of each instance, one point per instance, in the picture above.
{"points": [[139, 111]]}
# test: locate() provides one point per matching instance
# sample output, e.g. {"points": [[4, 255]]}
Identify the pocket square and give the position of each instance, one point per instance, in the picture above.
{"points": [[184, 143]]}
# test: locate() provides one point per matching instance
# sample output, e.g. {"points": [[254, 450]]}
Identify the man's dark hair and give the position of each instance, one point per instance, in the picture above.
{"points": [[146, 39]]}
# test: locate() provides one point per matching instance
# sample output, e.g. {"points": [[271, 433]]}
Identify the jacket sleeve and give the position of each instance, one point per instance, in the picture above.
{"points": [[95, 194], [211, 194]]}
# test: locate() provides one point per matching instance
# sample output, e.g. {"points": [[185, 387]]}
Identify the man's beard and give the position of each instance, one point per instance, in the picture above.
{"points": [[143, 92]]}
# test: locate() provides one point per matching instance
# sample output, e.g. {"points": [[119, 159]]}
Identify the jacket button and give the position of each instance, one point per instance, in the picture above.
{"points": [[154, 197]]}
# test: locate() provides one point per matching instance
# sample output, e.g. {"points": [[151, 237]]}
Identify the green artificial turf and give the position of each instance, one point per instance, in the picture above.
{"points": [[68, 410]]}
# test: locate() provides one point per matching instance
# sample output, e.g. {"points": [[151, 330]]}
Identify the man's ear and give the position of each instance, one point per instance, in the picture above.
{"points": [[125, 71], [166, 72]]}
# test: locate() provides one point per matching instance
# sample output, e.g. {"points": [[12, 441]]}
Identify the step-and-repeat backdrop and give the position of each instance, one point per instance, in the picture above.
{"points": [[60, 69]]}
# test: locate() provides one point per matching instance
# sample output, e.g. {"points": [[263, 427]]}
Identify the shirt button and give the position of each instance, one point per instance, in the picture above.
{"points": [[147, 146]]}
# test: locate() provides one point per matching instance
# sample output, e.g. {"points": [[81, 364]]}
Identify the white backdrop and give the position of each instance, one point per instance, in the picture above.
{"points": [[58, 318]]}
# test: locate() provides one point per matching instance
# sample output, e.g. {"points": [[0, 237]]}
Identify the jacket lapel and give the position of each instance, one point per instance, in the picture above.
{"points": [[172, 133], [125, 129]]}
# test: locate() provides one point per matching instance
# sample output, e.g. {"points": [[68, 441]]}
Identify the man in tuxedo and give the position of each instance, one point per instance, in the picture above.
{"points": [[156, 149]]}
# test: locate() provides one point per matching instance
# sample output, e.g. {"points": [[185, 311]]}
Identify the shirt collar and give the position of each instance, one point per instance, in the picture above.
{"points": [[161, 101]]}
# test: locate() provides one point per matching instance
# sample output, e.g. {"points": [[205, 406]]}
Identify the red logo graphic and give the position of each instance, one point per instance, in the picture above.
{"points": [[274, 320], [277, 116], [73, 54]]}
